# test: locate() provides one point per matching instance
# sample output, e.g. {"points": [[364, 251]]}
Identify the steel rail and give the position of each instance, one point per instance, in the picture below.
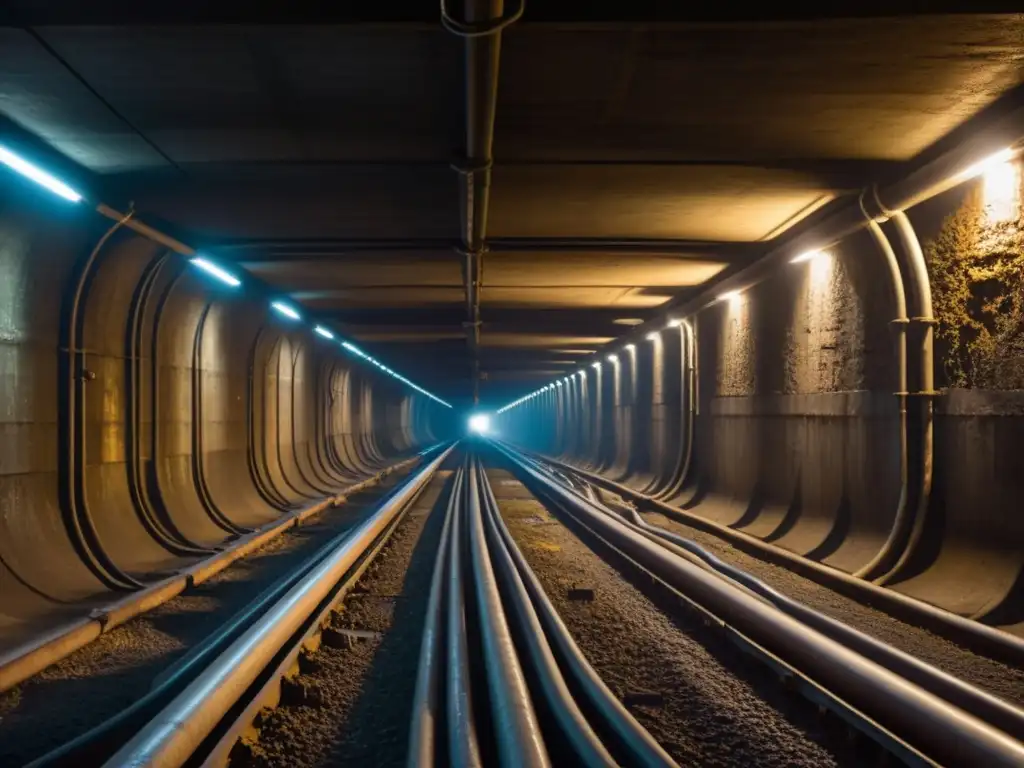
{"points": [[173, 736], [552, 649], [485, 604], [94, 745], [988, 707], [517, 730], [424, 740], [924, 721], [992, 709], [28, 659], [973, 634], [463, 742]]}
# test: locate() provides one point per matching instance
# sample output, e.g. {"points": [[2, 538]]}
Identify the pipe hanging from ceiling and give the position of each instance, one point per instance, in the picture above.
{"points": [[480, 28]]}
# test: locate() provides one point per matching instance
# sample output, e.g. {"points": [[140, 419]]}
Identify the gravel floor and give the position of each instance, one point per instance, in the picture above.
{"points": [[719, 708], [364, 693], [998, 678], [110, 673]]}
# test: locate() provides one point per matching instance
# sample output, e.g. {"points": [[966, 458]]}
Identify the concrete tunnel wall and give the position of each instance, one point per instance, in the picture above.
{"points": [[149, 415], [796, 437]]}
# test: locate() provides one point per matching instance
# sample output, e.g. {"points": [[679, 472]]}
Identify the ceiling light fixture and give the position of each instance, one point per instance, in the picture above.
{"points": [[38, 175], [285, 310], [212, 269], [807, 256]]}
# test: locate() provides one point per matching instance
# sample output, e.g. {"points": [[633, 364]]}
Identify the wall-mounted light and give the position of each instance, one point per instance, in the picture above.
{"points": [[212, 269], [323, 332], [613, 358], [730, 296], [353, 348], [394, 374], [1000, 184], [38, 175], [653, 336], [808, 256], [1001, 157], [631, 347], [285, 310], [674, 322], [596, 366]]}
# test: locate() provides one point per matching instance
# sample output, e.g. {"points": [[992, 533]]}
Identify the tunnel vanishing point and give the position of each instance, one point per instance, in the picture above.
{"points": [[765, 271]]}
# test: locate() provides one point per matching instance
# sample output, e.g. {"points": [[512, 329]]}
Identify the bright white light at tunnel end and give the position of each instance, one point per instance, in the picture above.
{"points": [[480, 423]]}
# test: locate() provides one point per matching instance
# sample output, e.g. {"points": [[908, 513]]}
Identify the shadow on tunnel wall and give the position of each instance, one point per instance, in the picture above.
{"points": [[796, 435], [149, 415]]}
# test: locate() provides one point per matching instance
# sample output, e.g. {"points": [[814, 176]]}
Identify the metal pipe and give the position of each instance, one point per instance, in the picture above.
{"points": [[463, 745], [177, 731], [551, 684], [992, 709], [922, 397], [516, 728], [996, 643], [129, 221], [884, 557], [927, 181], [481, 30], [427, 699], [546, 635], [950, 734]]}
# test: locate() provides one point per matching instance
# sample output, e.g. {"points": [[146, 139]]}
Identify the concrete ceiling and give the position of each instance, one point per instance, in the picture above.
{"points": [[634, 162]]}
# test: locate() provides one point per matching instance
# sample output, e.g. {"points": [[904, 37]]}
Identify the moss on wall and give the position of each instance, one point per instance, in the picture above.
{"points": [[977, 276]]}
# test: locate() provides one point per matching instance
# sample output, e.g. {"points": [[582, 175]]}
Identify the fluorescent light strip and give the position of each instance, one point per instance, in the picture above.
{"points": [[285, 310], [38, 175], [212, 269], [370, 359], [58, 187]]}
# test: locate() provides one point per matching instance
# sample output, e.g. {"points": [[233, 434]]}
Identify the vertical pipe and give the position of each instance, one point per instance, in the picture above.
{"points": [[922, 325], [901, 521]]}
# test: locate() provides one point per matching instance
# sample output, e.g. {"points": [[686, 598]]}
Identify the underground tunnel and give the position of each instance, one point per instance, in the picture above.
{"points": [[511, 384]]}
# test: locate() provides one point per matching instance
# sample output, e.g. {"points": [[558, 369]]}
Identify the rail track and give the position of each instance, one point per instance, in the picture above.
{"points": [[501, 679], [198, 708], [916, 712]]}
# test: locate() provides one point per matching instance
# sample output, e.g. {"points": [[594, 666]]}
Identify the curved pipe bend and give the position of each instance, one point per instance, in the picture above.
{"points": [[950, 733], [954, 690]]}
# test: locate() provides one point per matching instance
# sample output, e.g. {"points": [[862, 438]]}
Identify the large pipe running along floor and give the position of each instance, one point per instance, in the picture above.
{"points": [[485, 604]]}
